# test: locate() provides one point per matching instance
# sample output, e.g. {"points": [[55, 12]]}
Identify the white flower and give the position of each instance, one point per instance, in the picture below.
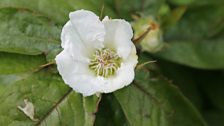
{"points": [[98, 57]]}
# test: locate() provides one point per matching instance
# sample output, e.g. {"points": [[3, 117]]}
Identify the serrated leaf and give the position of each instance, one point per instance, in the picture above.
{"points": [[153, 101], [204, 54], [54, 102], [12, 63]]}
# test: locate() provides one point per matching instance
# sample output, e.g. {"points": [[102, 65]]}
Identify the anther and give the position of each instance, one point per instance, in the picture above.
{"points": [[105, 62]]}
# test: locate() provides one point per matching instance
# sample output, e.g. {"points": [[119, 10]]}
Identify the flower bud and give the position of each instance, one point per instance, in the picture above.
{"points": [[147, 30]]}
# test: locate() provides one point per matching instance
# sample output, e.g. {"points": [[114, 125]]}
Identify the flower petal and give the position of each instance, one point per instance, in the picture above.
{"points": [[67, 65], [125, 75], [118, 36], [72, 43], [89, 27], [76, 74]]}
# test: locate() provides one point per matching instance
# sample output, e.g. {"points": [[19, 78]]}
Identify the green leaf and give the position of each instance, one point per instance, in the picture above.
{"points": [[170, 19], [196, 39], [16, 63], [153, 101], [214, 91], [59, 10], [110, 112], [197, 24], [214, 117], [54, 102], [181, 2], [196, 2], [211, 84], [184, 78], [127, 8], [25, 32], [204, 54], [6, 80]]}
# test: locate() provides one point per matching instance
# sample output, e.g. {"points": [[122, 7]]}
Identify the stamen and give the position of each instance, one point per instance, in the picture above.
{"points": [[105, 62]]}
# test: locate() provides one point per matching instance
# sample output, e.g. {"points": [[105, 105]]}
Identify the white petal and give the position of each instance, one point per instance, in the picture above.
{"points": [[125, 75], [118, 36], [85, 84], [72, 43], [76, 74], [106, 18], [67, 65], [89, 27]]}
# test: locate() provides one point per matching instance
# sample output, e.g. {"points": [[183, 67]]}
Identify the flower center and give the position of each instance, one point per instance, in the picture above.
{"points": [[105, 62]]}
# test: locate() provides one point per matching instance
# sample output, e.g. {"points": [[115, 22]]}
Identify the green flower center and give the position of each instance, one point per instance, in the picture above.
{"points": [[105, 62]]}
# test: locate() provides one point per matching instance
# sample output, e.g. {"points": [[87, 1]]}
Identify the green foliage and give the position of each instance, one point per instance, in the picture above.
{"points": [[205, 23], [54, 102], [128, 8], [26, 32], [196, 40], [182, 77], [58, 10], [110, 113], [183, 88], [152, 101], [16, 63], [196, 2], [204, 54]]}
